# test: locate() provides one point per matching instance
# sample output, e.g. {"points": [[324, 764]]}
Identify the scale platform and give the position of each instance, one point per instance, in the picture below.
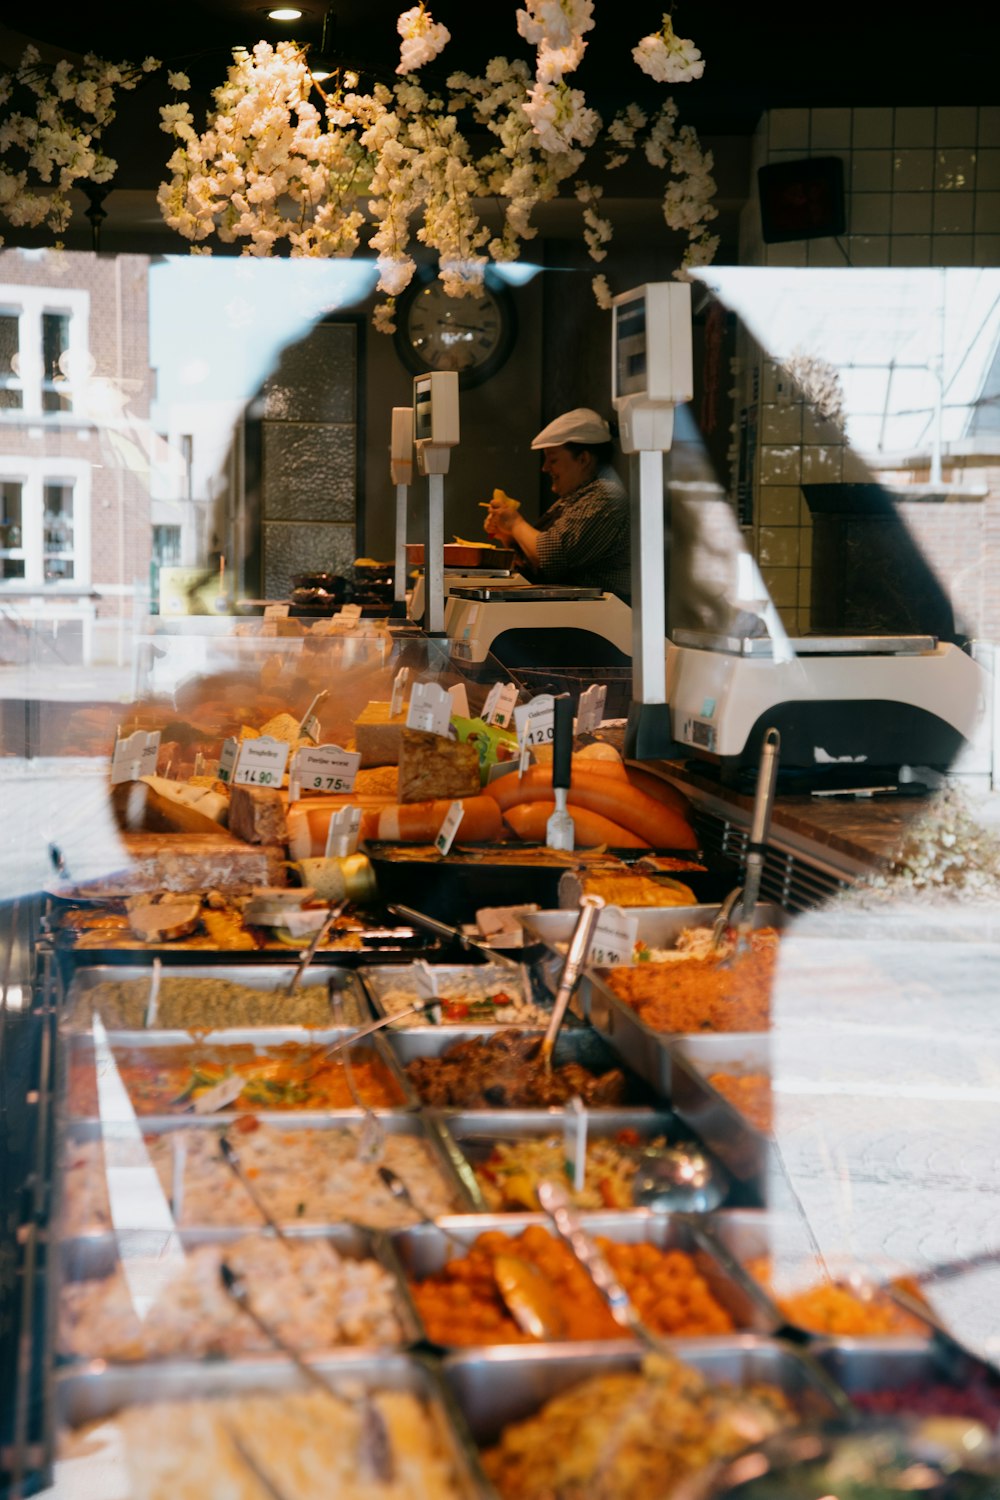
{"points": [[539, 625], [532, 593], [848, 708]]}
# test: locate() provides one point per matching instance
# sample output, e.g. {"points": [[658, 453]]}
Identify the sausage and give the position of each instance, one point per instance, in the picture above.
{"points": [[656, 786], [659, 826], [528, 820], [419, 822]]}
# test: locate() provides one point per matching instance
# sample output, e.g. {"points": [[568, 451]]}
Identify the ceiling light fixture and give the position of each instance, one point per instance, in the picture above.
{"points": [[284, 13]]}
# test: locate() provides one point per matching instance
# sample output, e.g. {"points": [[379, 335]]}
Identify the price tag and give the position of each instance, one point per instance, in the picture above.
{"points": [[342, 834], [227, 760], [614, 938], [424, 980], [350, 616], [459, 701], [135, 756], [449, 828], [575, 1142], [535, 721], [220, 1095], [499, 706], [275, 611], [261, 762], [399, 682], [590, 709], [430, 708], [326, 768]]}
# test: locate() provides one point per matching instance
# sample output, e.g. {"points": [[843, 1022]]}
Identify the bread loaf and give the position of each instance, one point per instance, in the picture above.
{"points": [[433, 766]]}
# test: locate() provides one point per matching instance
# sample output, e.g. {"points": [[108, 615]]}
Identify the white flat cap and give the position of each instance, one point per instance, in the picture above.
{"points": [[581, 425]]}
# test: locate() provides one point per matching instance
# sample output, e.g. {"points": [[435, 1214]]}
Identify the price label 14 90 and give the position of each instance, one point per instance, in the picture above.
{"points": [[261, 762]]}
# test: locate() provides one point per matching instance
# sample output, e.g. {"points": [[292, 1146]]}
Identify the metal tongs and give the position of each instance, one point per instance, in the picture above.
{"points": [[576, 957], [760, 824], [308, 954], [376, 1445], [441, 929]]}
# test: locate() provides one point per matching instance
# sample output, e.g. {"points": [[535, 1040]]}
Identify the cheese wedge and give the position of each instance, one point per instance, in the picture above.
{"points": [[176, 806]]}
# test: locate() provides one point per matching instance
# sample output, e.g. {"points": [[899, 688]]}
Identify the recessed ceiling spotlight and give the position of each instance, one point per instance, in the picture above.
{"points": [[284, 13]]}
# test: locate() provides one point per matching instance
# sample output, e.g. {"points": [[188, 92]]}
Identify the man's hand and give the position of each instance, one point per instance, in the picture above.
{"points": [[501, 512]]}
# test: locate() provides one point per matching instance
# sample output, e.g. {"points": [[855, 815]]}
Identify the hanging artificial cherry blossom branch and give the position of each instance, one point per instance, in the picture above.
{"points": [[287, 163], [58, 128]]}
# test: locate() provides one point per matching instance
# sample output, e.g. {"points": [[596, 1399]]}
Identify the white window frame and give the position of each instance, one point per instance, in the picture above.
{"points": [[33, 474], [28, 303]]}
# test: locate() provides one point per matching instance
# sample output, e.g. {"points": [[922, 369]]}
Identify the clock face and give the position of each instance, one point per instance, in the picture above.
{"points": [[473, 335]]}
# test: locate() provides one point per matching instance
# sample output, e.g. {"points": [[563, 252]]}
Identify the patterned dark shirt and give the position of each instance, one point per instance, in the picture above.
{"points": [[584, 538]]}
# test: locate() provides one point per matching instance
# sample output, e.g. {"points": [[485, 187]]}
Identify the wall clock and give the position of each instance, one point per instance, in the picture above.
{"points": [[473, 335]]}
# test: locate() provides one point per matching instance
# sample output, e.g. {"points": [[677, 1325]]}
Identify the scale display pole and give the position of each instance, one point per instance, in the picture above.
{"points": [[401, 471], [651, 374], [435, 433]]}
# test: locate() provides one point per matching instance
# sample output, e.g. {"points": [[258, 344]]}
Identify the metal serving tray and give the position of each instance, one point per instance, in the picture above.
{"points": [[380, 977], [469, 1135], [454, 1169], [424, 1250], [746, 1151], [78, 1047], [262, 976], [94, 1258], [495, 1387], [578, 1045], [741, 1235], [862, 1366], [649, 1052], [95, 1393]]}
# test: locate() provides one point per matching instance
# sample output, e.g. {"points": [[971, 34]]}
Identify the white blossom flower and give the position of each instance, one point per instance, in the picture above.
{"points": [[179, 81], [667, 57], [423, 38], [602, 292], [384, 316], [554, 23], [559, 116]]}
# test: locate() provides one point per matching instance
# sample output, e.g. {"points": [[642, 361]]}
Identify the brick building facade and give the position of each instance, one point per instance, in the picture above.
{"points": [[75, 392]]}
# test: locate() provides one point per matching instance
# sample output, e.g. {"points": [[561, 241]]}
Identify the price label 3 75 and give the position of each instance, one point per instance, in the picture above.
{"points": [[326, 768]]}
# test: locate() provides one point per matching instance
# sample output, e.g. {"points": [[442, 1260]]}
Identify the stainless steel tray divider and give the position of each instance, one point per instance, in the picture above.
{"points": [[747, 1152], [377, 977], [453, 1166], [422, 1251], [740, 1235], [864, 1365], [96, 1392], [580, 1044], [94, 1257], [262, 976], [259, 1037], [495, 1387]]}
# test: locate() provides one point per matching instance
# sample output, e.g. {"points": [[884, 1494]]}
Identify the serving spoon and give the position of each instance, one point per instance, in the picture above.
{"points": [[523, 1289]]}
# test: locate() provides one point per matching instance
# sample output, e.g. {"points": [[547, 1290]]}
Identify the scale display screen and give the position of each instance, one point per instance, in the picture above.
{"points": [[630, 329], [422, 410]]}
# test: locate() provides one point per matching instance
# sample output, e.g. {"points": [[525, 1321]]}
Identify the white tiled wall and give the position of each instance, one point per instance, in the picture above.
{"points": [[923, 189], [923, 185]]}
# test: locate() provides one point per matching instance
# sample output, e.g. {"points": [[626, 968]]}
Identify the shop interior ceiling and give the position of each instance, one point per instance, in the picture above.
{"points": [[780, 54]]}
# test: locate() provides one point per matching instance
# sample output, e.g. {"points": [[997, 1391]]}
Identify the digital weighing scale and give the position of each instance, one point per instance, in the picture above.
{"points": [[516, 623], [850, 709]]}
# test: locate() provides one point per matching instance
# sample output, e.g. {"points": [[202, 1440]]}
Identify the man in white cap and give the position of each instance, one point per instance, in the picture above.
{"points": [[583, 538]]}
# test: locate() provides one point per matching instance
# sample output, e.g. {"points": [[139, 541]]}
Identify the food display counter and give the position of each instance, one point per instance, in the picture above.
{"points": [[292, 1212]]}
